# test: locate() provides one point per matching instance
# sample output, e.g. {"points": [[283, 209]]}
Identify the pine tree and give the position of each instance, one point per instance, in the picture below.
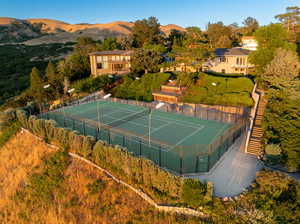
{"points": [[55, 80], [36, 84], [50, 72]]}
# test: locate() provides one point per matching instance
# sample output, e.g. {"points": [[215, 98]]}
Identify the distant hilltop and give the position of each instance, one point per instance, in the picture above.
{"points": [[38, 31]]}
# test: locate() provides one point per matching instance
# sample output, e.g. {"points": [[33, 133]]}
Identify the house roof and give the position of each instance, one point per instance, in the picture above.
{"points": [[232, 52], [114, 52]]}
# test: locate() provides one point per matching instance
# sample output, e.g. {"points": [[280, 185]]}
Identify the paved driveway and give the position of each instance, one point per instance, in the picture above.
{"points": [[234, 172]]}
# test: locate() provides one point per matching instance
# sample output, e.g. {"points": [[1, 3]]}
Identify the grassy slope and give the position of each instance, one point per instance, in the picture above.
{"points": [[112, 204]]}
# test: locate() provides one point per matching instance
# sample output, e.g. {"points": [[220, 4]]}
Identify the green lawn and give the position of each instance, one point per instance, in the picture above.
{"points": [[226, 91]]}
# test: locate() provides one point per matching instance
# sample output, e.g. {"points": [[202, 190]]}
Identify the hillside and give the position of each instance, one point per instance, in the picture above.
{"points": [[89, 196], [39, 31]]}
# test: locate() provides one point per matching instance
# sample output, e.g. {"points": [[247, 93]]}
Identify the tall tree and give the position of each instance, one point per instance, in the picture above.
{"points": [[291, 18], [250, 26], [110, 43], [36, 85], [283, 69], [224, 42], [215, 31], [146, 31], [146, 60], [269, 39], [55, 79]]}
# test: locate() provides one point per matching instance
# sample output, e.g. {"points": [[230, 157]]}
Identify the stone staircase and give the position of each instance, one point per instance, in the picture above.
{"points": [[255, 144]]}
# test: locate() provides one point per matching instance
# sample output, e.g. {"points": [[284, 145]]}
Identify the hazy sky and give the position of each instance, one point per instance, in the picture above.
{"points": [[181, 12]]}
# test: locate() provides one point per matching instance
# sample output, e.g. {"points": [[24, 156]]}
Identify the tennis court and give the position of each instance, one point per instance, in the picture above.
{"points": [[179, 143]]}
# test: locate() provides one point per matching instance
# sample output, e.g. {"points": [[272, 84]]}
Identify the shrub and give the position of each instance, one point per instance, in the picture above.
{"points": [[44, 187], [96, 186], [8, 132], [92, 84], [140, 89], [193, 193]]}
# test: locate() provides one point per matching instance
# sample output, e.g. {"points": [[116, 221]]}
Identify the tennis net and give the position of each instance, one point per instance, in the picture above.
{"points": [[129, 118]]}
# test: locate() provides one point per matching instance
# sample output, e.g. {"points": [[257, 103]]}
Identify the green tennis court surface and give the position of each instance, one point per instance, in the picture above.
{"points": [[178, 143], [172, 129]]}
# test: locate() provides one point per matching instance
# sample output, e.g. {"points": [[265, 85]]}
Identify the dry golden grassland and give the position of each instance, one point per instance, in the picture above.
{"points": [[86, 195]]}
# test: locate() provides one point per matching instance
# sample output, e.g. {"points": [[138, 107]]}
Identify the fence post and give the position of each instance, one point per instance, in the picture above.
{"points": [[140, 147], [83, 124], [197, 164], [208, 161], [181, 165], [159, 159]]}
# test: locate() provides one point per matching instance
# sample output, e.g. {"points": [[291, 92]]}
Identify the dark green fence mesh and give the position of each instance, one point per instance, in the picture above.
{"points": [[182, 160]]}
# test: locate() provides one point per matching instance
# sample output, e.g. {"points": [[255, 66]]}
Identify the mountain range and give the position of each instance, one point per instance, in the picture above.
{"points": [[39, 31]]}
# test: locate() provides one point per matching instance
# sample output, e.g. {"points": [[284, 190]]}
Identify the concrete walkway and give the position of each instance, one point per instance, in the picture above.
{"points": [[234, 172]]}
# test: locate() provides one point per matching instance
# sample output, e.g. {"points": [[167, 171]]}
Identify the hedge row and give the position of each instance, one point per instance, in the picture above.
{"points": [[142, 173]]}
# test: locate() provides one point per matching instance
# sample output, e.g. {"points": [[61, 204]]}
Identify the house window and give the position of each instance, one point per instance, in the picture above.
{"points": [[99, 59], [236, 69], [222, 59], [237, 61], [117, 58], [113, 58], [103, 65], [104, 58], [223, 71]]}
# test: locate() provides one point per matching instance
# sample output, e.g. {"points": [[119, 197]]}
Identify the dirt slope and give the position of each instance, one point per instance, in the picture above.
{"points": [[114, 203]]}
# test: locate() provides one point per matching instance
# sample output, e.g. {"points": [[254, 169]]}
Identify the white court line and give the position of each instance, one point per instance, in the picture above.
{"points": [[184, 123], [156, 129], [138, 124], [188, 136]]}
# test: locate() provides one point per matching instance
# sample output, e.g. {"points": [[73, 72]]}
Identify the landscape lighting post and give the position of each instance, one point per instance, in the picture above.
{"points": [[214, 84], [150, 115], [46, 86]]}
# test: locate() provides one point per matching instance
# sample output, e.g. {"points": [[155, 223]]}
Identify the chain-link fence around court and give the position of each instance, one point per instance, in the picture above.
{"points": [[179, 159], [191, 110]]}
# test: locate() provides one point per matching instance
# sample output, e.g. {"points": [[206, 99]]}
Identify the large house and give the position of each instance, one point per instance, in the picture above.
{"points": [[249, 43], [110, 62], [229, 60]]}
